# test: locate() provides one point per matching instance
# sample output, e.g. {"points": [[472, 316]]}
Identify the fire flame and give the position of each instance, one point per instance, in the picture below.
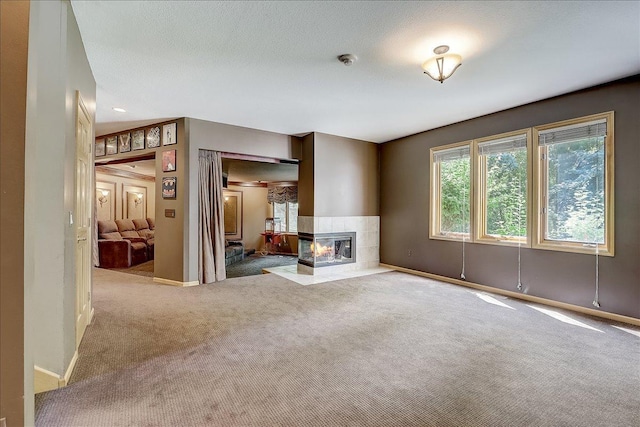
{"points": [[321, 250]]}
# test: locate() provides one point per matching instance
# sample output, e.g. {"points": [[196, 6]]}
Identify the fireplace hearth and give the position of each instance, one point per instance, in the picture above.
{"points": [[326, 249]]}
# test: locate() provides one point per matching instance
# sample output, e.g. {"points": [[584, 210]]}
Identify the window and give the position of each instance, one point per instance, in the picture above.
{"points": [[574, 179], [288, 213], [502, 165], [451, 192], [546, 187]]}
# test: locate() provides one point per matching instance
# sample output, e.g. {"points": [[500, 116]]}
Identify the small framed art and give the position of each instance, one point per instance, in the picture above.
{"points": [[125, 142], [153, 137], [169, 161], [137, 140], [169, 134], [112, 145], [100, 148], [169, 187]]}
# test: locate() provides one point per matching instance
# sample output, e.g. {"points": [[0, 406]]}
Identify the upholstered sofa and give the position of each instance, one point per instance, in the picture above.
{"points": [[123, 243], [233, 252]]}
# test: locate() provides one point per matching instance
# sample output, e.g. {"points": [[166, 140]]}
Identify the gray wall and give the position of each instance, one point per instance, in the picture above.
{"points": [[58, 67], [346, 178], [204, 135], [554, 275]]}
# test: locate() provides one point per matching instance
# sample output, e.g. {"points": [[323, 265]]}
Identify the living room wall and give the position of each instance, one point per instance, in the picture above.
{"points": [[58, 69], [338, 177], [559, 276]]}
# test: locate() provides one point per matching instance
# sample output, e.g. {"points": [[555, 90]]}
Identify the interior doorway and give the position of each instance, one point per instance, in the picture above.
{"points": [[125, 192], [260, 232]]}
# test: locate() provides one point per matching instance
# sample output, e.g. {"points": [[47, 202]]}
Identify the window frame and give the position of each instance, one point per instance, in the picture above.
{"points": [[480, 234], [435, 195], [539, 222], [286, 219]]}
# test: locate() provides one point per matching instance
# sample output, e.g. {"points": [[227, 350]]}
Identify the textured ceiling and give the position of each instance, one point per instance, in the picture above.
{"points": [[272, 65]]}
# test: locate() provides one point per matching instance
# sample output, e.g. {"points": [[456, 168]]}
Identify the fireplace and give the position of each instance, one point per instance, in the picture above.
{"points": [[326, 249]]}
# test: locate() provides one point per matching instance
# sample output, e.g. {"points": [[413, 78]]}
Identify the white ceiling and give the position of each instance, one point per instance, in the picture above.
{"points": [[272, 65]]}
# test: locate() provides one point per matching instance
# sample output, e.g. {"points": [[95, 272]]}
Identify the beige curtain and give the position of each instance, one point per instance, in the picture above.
{"points": [[211, 218]]}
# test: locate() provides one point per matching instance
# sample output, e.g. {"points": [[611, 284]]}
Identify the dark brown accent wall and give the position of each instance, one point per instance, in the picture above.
{"points": [[305, 177], [346, 179], [14, 38], [559, 276]]}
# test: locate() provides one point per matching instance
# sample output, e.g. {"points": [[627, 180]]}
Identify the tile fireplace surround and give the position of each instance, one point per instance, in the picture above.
{"points": [[367, 229]]}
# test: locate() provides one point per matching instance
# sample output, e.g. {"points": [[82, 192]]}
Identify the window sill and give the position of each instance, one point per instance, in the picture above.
{"points": [[574, 248]]}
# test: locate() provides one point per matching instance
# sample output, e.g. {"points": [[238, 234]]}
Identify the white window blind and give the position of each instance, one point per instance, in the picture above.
{"points": [[594, 129], [452, 154], [503, 145]]}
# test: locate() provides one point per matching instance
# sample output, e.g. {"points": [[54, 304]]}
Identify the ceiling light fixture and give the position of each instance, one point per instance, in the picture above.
{"points": [[347, 59], [119, 110], [442, 66]]}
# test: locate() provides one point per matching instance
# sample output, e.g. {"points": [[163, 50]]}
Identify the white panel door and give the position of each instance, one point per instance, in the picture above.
{"points": [[84, 192]]}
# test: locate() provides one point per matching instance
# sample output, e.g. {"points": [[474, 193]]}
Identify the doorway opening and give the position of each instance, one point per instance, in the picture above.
{"points": [[261, 214], [125, 214]]}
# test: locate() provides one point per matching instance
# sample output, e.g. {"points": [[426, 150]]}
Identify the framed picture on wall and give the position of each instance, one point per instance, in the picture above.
{"points": [[169, 134], [153, 137], [169, 184], [169, 161], [112, 145], [100, 147], [125, 142], [137, 140], [232, 214]]}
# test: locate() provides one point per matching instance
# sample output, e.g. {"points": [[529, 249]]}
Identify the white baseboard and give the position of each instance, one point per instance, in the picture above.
{"points": [[70, 368], [175, 282], [531, 298], [44, 380]]}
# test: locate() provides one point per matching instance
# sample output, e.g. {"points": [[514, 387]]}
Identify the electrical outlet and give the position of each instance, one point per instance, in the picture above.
{"points": [[409, 252]]}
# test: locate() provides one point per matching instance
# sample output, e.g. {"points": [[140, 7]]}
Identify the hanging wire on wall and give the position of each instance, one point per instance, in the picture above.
{"points": [[596, 299], [519, 286], [464, 236]]}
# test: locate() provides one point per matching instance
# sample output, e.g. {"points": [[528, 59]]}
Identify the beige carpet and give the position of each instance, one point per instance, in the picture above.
{"points": [[382, 350], [144, 269]]}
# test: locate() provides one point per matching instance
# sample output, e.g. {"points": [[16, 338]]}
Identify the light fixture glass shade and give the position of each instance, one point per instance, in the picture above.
{"points": [[442, 67]]}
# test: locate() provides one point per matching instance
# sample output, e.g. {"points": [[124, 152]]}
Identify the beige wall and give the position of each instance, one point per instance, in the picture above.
{"points": [[117, 186], [255, 210], [13, 100]]}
